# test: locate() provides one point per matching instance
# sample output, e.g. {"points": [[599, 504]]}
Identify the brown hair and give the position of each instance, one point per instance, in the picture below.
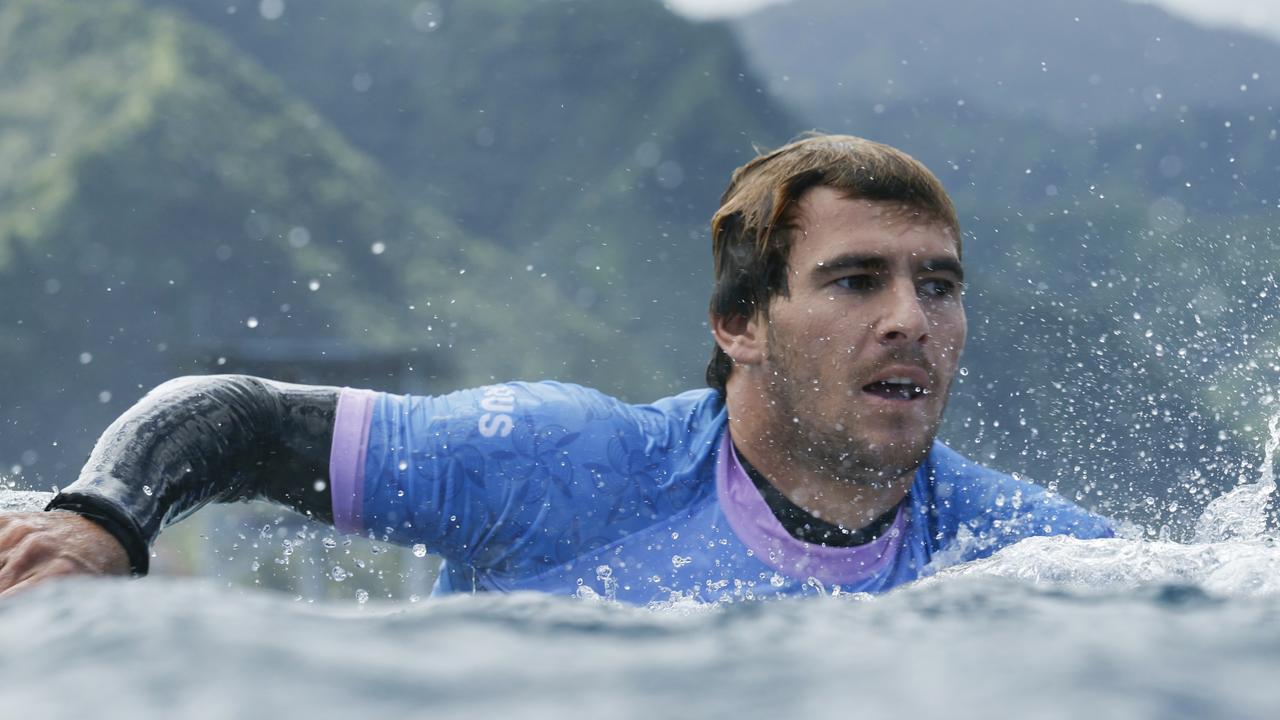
{"points": [[751, 232]]}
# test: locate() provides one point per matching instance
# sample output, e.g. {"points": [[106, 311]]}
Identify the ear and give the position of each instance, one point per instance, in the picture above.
{"points": [[742, 338]]}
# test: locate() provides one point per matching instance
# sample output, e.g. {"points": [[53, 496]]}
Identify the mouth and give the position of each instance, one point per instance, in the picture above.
{"points": [[899, 386]]}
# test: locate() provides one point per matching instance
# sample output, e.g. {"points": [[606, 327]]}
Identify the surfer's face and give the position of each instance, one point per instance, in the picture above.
{"points": [[859, 355]]}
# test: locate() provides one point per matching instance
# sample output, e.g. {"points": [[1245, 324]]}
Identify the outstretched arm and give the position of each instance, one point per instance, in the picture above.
{"points": [[191, 441]]}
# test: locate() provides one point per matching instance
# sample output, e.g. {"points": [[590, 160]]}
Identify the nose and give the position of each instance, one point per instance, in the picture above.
{"points": [[903, 319]]}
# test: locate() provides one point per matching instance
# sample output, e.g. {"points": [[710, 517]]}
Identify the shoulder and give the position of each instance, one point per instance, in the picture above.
{"points": [[549, 396], [668, 420], [562, 414], [967, 498]]}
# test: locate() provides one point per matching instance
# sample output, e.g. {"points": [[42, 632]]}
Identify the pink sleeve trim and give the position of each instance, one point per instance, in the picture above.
{"points": [[346, 459]]}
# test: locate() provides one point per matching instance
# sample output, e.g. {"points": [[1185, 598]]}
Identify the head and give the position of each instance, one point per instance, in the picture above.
{"points": [[837, 308]]}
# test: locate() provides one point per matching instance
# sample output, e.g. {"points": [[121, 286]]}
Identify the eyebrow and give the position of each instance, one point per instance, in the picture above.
{"points": [[877, 263], [850, 262], [944, 264]]}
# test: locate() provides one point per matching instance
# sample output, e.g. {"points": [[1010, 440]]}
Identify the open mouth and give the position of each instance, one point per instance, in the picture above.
{"points": [[895, 388]]}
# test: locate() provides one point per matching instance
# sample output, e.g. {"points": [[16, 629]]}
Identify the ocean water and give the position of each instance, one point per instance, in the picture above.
{"points": [[1049, 628]]}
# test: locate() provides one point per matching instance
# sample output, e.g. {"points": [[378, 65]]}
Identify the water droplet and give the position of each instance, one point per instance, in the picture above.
{"points": [[404, 465], [378, 248], [314, 285], [426, 16], [299, 237], [777, 580], [329, 543], [86, 358], [271, 9], [146, 490], [419, 550], [338, 574], [669, 175], [362, 596], [251, 322]]}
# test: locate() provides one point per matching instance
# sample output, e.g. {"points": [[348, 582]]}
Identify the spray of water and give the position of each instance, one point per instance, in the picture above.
{"points": [[1242, 513]]}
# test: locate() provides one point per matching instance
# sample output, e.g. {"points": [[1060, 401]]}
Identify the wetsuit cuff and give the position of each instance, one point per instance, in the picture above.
{"points": [[112, 519]]}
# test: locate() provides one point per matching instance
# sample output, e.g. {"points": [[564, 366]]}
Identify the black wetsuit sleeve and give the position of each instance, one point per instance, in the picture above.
{"points": [[196, 440]]}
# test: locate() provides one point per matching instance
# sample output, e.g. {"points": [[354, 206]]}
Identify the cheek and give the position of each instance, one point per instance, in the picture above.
{"points": [[804, 332], [962, 333], [949, 328]]}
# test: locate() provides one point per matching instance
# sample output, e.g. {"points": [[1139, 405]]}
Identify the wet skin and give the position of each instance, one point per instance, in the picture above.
{"points": [[40, 546], [837, 392]]}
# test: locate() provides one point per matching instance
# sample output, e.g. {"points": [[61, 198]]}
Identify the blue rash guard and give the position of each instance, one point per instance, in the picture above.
{"points": [[561, 489]]}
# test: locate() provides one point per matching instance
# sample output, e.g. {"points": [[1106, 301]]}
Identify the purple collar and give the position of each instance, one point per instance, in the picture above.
{"points": [[755, 524]]}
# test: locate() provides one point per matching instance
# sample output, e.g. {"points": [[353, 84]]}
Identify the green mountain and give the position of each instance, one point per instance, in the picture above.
{"points": [[592, 139], [165, 200]]}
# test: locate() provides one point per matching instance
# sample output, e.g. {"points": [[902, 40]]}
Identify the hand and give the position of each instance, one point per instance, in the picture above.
{"points": [[37, 546]]}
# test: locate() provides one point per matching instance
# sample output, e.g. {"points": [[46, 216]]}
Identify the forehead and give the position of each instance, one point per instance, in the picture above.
{"points": [[827, 223]]}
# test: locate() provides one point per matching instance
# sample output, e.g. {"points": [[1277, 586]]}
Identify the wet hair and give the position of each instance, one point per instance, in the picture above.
{"points": [[751, 233]]}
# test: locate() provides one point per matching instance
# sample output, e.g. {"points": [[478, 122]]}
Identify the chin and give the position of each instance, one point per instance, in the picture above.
{"points": [[901, 457], [895, 451]]}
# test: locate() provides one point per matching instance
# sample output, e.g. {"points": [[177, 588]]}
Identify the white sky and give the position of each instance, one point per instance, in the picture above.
{"points": [[1262, 16]]}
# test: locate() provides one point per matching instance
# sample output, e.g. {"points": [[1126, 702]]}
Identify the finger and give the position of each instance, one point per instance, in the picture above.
{"points": [[60, 568], [25, 584], [15, 530], [14, 590], [24, 558], [12, 529]]}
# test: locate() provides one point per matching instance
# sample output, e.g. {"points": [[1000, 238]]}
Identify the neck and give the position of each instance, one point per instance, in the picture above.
{"points": [[850, 497]]}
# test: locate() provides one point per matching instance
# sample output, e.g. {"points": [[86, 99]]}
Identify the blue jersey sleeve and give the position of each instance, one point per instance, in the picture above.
{"points": [[977, 510], [522, 476]]}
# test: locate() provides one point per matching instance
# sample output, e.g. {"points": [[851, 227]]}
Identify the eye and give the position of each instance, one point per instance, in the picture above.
{"points": [[938, 287], [857, 282]]}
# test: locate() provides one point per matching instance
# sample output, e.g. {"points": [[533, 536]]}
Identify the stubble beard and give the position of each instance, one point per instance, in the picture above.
{"points": [[802, 435]]}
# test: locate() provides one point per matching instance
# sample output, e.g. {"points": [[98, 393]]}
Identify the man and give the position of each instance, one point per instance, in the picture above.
{"points": [[810, 463]]}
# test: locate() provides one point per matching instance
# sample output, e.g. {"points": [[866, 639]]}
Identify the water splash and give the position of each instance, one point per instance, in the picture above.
{"points": [[24, 500], [1242, 513], [1240, 569]]}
